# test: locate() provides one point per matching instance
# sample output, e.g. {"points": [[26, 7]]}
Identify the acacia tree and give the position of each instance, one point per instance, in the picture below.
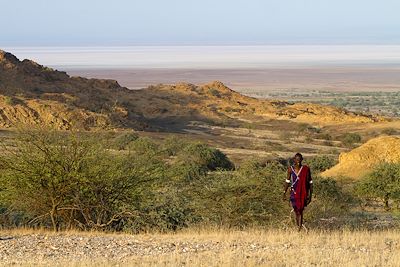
{"points": [[382, 183], [248, 196], [71, 179], [40, 172]]}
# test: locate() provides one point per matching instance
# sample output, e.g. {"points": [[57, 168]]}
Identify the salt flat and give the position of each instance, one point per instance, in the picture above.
{"points": [[362, 78]]}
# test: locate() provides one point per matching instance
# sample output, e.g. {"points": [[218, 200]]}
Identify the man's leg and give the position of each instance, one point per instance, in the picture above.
{"points": [[301, 218], [298, 219]]}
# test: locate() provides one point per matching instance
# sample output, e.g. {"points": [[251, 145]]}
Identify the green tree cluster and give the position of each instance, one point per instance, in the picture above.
{"points": [[383, 184]]}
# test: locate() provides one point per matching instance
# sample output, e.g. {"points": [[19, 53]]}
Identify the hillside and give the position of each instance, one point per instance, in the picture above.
{"points": [[361, 160], [33, 94]]}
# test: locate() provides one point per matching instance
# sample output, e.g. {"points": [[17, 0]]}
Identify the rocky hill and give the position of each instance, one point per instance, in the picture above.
{"points": [[33, 94], [361, 160]]}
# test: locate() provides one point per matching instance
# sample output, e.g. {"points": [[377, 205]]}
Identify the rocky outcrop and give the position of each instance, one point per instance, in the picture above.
{"points": [[215, 99], [49, 113], [361, 160]]}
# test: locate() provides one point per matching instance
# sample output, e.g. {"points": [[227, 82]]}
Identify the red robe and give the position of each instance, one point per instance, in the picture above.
{"points": [[299, 187]]}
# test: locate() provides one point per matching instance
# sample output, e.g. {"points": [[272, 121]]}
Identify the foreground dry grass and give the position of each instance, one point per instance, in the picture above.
{"points": [[202, 248]]}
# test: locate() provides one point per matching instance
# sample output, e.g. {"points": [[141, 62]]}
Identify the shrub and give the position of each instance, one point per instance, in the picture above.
{"points": [[305, 127], [349, 139], [302, 127], [204, 156], [214, 92], [325, 136], [250, 166], [329, 200], [383, 183], [173, 145], [67, 180], [327, 143], [320, 163], [196, 160], [10, 100], [123, 140], [309, 139], [390, 131], [143, 146], [241, 198]]}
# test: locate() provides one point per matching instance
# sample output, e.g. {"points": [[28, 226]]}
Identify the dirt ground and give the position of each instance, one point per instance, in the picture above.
{"points": [[201, 248]]}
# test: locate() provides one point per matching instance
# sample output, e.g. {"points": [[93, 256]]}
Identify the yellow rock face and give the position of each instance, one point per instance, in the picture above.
{"points": [[49, 113], [361, 160]]}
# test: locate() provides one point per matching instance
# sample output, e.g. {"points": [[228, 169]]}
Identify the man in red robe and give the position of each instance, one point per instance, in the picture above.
{"points": [[300, 182]]}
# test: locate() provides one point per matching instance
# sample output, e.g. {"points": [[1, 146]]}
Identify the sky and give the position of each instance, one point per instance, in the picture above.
{"points": [[198, 22]]}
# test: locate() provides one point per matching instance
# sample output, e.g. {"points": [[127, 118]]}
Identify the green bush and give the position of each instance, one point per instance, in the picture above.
{"points": [[246, 197], [71, 180], [208, 158], [383, 183], [123, 140], [325, 136], [320, 163], [172, 145], [329, 200], [241, 198], [143, 146], [10, 100], [390, 131], [250, 166], [349, 139], [305, 127], [214, 92]]}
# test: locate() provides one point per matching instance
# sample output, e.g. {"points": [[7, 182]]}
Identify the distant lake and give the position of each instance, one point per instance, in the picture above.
{"points": [[210, 57]]}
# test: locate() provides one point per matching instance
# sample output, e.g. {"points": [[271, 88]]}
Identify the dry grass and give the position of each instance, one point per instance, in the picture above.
{"points": [[279, 248], [256, 248]]}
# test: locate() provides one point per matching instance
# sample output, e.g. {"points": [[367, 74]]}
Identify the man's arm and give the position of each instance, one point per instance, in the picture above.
{"points": [[310, 186], [286, 184]]}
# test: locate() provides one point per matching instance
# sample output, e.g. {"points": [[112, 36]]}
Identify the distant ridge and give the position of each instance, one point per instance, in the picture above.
{"points": [[34, 94]]}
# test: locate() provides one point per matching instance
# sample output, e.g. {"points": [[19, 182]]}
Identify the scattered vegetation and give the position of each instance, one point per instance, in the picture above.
{"points": [[10, 100], [329, 200], [214, 92], [390, 131], [62, 180], [378, 102], [350, 139], [320, 163], [123, 140], [382, 184], [67, 180]]}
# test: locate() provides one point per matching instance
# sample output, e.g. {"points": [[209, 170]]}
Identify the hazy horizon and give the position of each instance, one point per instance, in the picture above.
{"points": [[209, 57]]}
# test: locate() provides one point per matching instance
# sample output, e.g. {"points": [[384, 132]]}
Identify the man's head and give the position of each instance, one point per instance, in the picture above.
{"points": [[298, 158]]}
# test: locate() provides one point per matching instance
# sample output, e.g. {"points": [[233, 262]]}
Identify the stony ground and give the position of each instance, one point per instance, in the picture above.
{"points": [[206, 248], [61, 248]]}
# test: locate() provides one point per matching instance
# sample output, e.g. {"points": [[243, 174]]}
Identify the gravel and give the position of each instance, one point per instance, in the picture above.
{"points": [[62, 249], [257, 248]]}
